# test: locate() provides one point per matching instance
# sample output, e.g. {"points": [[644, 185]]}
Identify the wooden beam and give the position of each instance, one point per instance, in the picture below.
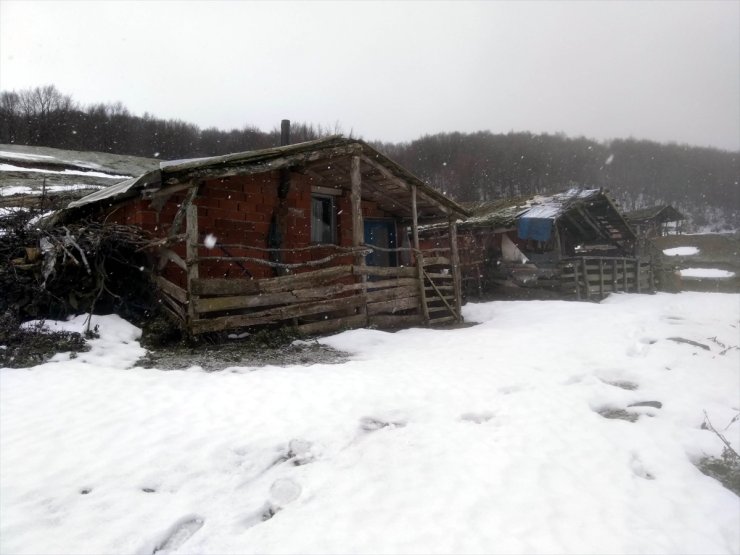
{"points": [[177, 220], [385, 172], [358, 225], [418, 256], [191, 257], [456, 280], [176, 292], [226, 286]]}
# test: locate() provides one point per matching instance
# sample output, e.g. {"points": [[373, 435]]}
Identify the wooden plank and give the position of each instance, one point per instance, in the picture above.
{"points": [[437, 261], [174, 306], [396, 293], [221, 286], [385, 271], [219, 304], [332, 325], [174, 315], [277, 314], [398, 282], [331, 191], [175, 291], [393, 306], [440, 276], [441, 288]]}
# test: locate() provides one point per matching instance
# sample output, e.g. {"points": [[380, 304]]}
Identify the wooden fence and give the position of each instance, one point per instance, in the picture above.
{"points": [[318, 299], [595, 277]]}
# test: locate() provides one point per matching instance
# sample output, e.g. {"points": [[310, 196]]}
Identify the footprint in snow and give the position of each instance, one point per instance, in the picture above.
{"points": [[509, 389], [629, 386], [476, 417], [282, 492], [370, 424], [639, 469], [180, 532]]}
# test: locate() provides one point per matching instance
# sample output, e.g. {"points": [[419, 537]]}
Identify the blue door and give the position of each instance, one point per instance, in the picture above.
{"points": [[381, 233]]}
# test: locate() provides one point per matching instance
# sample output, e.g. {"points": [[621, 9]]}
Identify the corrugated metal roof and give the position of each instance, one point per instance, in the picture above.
{"points": [[505, 212], [116, 191]]}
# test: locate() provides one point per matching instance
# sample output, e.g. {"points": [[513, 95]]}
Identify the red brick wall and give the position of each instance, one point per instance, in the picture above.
{"points": [[238, 210]]}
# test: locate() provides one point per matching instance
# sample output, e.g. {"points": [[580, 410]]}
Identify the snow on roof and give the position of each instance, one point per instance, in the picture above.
{"points": [[505, 212], [12, 168]]}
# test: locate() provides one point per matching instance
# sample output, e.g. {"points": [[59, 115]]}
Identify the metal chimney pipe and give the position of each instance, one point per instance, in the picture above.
{"points": [[285, 132]]}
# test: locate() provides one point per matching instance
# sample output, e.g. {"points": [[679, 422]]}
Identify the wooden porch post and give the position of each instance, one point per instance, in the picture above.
{"points": [[418, 256], [455, 255], [358, 227], [191, 257]]}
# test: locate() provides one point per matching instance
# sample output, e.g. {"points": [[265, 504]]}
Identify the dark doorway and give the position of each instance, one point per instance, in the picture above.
{"points": [[381, 233]]}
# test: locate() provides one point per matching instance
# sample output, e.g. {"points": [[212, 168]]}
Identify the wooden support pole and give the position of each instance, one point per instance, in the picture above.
{"points": [[358, 226], [637, 274], [418, 256], [651, 270], [614, 276], [575, 280], [601, 278], [624, 275], [191, 257], [456, 277], [584, 269]]}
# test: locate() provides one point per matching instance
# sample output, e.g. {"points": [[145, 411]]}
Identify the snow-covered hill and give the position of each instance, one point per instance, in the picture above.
{"points": [[549, 427]]}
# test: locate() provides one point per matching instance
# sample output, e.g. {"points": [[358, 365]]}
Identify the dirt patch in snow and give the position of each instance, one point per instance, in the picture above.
{"points": [[213, 358]]}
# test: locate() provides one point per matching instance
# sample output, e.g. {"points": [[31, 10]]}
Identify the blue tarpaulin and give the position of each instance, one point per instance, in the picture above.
{"points": [[538, 229]]}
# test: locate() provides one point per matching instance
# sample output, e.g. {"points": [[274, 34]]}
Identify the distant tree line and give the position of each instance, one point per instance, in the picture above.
{"points": [[43, 116], [702, 182]]}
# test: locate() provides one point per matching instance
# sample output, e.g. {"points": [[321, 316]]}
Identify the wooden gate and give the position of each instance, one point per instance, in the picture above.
{"points": [[442, 303], [593, 278]]}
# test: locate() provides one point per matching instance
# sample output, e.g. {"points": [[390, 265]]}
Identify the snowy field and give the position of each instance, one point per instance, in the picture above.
{"points": [[486, 439]]}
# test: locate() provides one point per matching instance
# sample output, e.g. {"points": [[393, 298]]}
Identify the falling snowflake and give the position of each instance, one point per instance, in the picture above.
{"points": [[210, 241]]}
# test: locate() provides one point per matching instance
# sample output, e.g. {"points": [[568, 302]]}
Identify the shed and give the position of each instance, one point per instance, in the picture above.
{"points": [[655, 221], [575, 243], [320, 235]]}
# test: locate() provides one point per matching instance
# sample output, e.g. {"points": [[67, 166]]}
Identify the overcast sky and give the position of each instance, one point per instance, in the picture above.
{"points": [[393, 71]]}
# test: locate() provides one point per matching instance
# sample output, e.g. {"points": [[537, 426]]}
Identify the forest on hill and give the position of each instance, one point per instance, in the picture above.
{"points": [[700, 182]]}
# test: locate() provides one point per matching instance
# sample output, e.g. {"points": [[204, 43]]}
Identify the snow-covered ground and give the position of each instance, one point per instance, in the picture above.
{"points": [[712, 273], [485, 439], [681, 251]]}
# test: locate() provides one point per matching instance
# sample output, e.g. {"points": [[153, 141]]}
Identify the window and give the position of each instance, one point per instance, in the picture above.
{"points": [[323, 219]]}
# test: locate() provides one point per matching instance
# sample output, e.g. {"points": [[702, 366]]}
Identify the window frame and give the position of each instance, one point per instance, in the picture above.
{"points": [[324, 199]]}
